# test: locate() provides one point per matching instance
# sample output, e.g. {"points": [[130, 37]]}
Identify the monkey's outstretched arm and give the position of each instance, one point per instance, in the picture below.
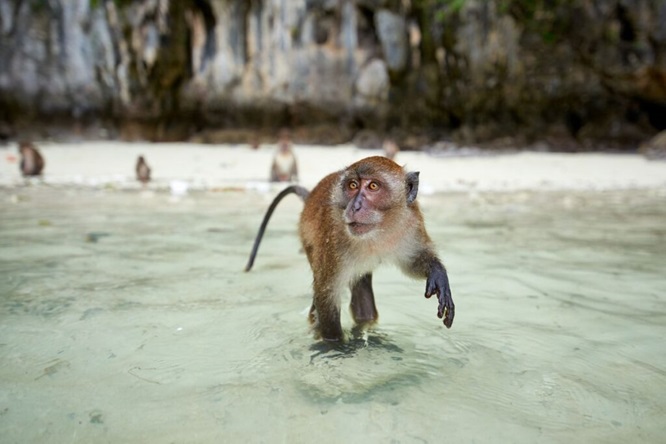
{"points": [[427, 264], [438, 282], [296, 189]]}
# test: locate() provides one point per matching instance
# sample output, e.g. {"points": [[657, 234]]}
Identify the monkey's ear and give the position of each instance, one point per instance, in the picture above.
{"points": [[412, 184]]}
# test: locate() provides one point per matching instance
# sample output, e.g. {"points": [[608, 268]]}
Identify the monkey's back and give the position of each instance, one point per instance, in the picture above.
{"points": [[317, 211], [32, 162]]}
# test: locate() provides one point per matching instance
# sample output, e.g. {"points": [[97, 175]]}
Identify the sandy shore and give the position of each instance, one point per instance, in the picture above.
{"points": [[200, 167]]}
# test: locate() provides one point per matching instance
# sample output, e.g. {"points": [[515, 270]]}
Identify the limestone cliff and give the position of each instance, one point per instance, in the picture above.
{"points": [[576, 73]]}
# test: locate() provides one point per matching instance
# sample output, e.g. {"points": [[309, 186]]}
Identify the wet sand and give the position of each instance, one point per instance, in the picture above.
{"points": [[125, 316]]}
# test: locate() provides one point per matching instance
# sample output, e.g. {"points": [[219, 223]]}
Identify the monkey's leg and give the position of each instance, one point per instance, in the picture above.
{"points": [[312, 316], [362, 305], [325, 312]]}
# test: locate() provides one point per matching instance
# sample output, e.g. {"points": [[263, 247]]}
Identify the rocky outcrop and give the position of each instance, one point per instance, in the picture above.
{"points": [[575, 74], [655, 148]]}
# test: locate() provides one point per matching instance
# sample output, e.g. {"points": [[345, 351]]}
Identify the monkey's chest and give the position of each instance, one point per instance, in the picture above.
{"points": [[365, 260], [284, 162], [28, 163], [363, 265]]}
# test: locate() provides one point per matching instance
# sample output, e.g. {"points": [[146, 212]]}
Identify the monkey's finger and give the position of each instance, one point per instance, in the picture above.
{"points": [[446, 308], [448, 319]]}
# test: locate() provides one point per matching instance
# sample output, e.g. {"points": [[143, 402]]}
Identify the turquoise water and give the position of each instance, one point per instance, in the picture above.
{"points": [[125, 317]]}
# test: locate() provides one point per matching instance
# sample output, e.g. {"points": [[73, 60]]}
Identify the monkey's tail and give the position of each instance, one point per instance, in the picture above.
{"points": [[296, 189]]}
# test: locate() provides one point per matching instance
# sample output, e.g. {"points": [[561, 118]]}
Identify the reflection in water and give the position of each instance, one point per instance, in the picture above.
{"points": [[127, 318], [351, 348]]}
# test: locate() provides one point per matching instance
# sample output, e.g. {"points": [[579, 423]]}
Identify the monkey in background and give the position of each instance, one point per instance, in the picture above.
{"points": [[142, 170], [284, 167], [32, 162], [352, 221], [390, 148]]}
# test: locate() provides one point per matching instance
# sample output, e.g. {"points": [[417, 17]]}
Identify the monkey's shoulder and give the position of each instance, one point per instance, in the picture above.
{"points": [[323, 189]]}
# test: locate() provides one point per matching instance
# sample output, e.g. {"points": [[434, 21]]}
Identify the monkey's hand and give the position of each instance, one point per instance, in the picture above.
{"points": [[438, 282]]}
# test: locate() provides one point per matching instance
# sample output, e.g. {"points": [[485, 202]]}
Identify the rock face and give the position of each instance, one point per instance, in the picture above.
{"points": [[655, 148], [575, 73]]}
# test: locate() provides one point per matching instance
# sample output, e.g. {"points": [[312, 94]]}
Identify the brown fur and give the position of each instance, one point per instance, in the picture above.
{"points": [[32, 162], [284, 167], [352, 221], [142, 170]]}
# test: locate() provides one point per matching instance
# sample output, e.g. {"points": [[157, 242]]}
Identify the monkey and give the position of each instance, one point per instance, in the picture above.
{"points": [[284, 167], [352, 221], [142, 170], [32, 162], [390, 148]]}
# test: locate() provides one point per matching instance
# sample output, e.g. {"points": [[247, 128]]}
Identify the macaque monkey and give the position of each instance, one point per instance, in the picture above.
{"points": [[390, 148], [284, 167], [352, 221], [142, 170], [32, 163]]}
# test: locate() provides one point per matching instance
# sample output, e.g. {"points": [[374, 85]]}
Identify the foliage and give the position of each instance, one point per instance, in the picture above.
{"points": [[119, 3], [543, 17], [39, 5], [446, 7]]}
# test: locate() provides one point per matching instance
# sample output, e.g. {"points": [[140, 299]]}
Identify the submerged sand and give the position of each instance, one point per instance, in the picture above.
{"points": [[125, 315]]}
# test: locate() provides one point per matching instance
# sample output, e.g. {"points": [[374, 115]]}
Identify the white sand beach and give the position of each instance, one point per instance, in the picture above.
{"points": [[201, 167]]}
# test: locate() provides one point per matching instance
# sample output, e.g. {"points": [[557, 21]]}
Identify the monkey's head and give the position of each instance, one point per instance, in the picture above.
{"points": [[373, 189], [23, 146]]}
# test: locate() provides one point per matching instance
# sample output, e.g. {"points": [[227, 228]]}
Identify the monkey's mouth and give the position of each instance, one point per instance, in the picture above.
{"points": [[358, 229]]}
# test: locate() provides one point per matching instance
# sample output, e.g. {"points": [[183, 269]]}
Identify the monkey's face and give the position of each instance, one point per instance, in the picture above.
{"points": [[369, 192], [366, 199]]}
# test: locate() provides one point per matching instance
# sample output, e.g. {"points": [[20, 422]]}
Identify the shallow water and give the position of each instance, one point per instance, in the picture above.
{"points": [[125, 317]]}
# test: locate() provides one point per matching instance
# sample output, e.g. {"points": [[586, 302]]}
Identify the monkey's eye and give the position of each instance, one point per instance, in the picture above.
{"points": [[374, 186], [353, 185]]}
